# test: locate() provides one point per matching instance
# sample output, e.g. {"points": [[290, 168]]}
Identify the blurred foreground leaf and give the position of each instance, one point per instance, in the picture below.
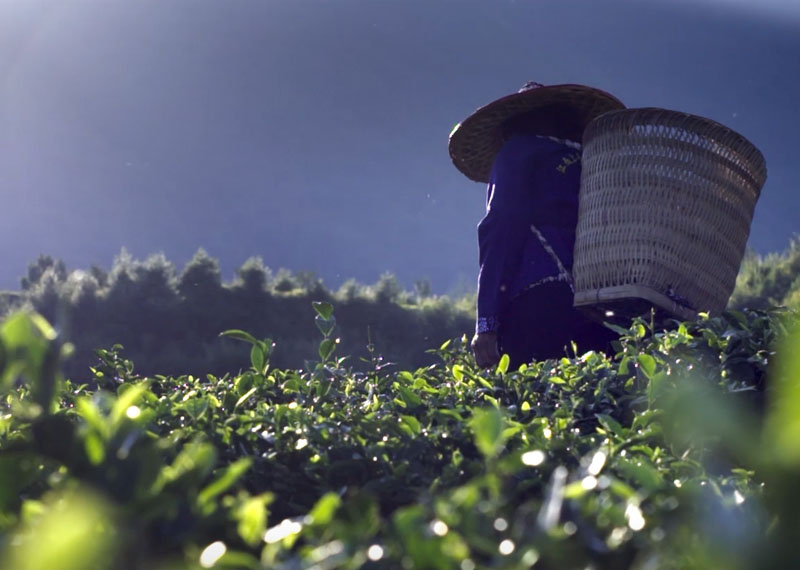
{"points": [[73, 530], [487, 427], [782, 429]]}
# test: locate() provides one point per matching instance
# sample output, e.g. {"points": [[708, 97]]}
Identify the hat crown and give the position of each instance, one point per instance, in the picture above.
{"points": [[529, 86], [475, 141]]}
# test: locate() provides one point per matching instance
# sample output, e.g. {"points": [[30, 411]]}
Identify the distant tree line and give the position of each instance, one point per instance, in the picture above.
{"points": [[770, 280], [169, 321]]}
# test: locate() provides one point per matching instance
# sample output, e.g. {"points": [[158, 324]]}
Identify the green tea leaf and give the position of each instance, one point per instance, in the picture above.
{"points": [[195, 407], [611, 425], [325, 508], [91, 414], [325, 326], [575, 490], [243, 383], [647, 363], [240, 335], [420, 384], [624, 364], [410, 398], [95, 448], [252, 518], [126, 398], [24, 327], [484, 382], [413, 424], [31, 351], [617, 329], [622, 489], [324, 310], [196, 457], [487, 428], [654, 387], [641, 472], [406, 376], [502, 366], [327, 347], [257, 358], [244, 397], [229, 476]]}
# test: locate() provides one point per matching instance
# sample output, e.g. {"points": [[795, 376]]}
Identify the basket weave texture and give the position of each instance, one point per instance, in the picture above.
{"points": [[666, 203]]}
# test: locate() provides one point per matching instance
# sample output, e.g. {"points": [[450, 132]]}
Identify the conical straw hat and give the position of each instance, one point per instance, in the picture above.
{"points": [[475, 141]]}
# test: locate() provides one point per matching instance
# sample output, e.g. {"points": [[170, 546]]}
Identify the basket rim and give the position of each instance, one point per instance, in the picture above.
{"points": [[718, 131], [593, 297]]}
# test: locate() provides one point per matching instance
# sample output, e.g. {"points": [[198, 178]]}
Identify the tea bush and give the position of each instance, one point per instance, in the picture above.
{"points": [[681, 451]]}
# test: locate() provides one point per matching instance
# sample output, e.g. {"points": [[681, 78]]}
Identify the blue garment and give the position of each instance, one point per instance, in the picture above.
{"points": [[528, 233], [542, 323]]}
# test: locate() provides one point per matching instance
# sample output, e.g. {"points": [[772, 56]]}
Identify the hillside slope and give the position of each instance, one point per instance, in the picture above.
{"points": [[679, 452]]}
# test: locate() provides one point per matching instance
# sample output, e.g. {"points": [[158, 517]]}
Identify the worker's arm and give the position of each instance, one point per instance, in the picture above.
{"points": [[501, 236]]}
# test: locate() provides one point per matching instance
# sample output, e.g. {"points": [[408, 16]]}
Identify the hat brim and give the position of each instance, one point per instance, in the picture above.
{"points": [[475, 141]]}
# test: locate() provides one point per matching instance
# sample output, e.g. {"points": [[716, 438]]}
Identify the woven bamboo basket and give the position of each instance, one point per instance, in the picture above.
{"points": [[666, 203]]}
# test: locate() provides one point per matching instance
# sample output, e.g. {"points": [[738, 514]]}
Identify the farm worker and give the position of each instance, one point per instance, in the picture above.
{"points": [[527, 147]]}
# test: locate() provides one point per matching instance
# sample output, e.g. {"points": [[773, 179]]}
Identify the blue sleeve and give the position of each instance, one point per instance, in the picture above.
{"points": [[502, 231]]}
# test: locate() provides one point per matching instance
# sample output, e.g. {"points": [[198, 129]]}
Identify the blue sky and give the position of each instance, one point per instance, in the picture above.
{"points": [[771, 8], [314, 133]]}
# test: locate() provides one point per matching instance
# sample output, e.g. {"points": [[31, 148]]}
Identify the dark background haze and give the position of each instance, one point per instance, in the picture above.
{"points": [[314, 133]]}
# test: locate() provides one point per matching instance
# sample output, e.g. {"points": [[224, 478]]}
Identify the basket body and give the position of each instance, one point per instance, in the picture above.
{"points": [[666, 203]]}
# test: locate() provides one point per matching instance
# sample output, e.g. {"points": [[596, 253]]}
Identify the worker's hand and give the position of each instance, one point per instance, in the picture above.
{"points": [[484, 346]]}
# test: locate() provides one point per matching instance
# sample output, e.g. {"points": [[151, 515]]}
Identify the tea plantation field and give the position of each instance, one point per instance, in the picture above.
{"points": [[681, 451]]}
